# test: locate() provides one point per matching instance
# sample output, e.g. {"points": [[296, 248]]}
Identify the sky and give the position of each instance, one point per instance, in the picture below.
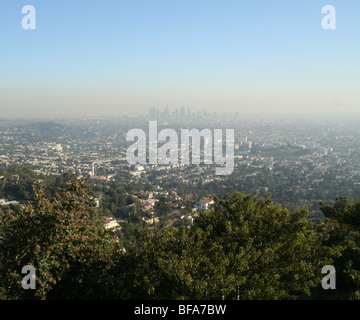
{"points": [[110, 58]]}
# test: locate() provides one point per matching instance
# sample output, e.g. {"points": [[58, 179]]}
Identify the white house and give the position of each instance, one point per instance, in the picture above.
{"points": [[111, 223], [204, 204]]}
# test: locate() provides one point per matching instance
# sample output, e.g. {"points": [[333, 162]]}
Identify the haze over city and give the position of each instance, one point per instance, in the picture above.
{"points": [[179, 151], [114, 58]]}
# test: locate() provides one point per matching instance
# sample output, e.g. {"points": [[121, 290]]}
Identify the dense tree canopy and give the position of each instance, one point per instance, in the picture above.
{"points": [[65, 242], [244, 248], [344, 217]]}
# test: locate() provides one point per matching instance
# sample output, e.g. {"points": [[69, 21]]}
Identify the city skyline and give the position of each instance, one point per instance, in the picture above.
{"points": [[117, 58]]}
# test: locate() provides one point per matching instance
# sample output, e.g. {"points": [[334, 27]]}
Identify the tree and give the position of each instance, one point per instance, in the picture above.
{"points": [[244, 248], [164, 263], [271, 253], [162, 208], [66, 243], [344, 219]]}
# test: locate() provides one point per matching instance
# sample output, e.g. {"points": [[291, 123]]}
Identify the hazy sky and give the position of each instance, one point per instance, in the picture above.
{"points": [[93, 58]]}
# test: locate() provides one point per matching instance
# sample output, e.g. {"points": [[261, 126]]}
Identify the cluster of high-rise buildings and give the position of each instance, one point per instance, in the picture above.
{"points": [[177, 113]]}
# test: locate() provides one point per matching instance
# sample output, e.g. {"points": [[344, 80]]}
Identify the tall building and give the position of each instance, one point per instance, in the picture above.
{"points": [[182, 112], [152, 113]]}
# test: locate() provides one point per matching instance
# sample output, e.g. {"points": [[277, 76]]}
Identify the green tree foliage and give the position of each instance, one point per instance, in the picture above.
{"points": [[17, 181], [65, 242], [344, 219], [165, 263], [162, 208], [244, 248], [271, 252]]}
